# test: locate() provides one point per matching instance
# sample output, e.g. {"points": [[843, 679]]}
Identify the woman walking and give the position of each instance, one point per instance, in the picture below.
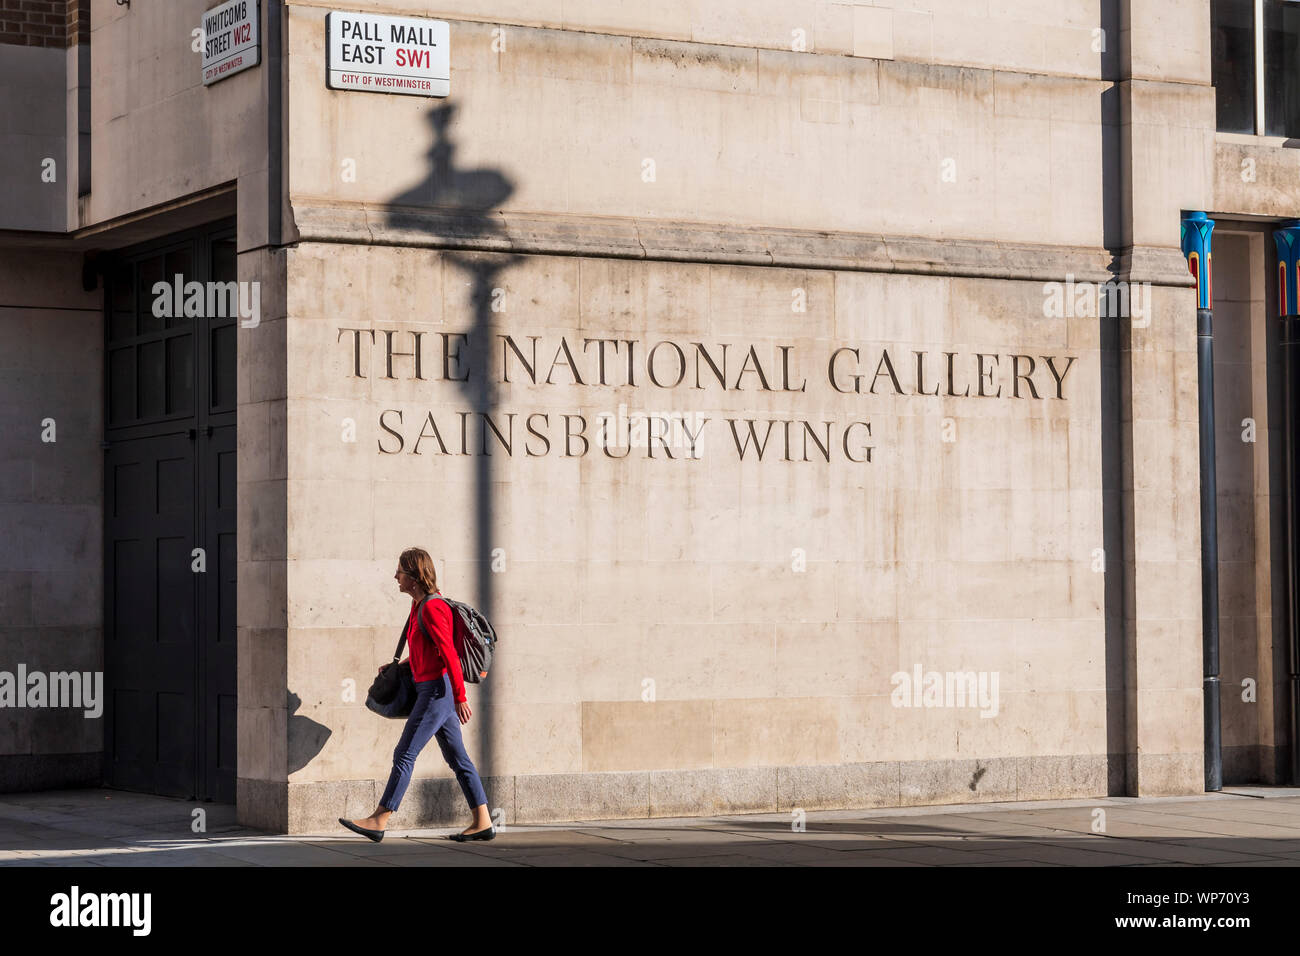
{"points": [[435, 667]]}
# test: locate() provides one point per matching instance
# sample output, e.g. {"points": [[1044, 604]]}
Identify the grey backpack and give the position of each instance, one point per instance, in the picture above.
{"points": [[472, 636]]}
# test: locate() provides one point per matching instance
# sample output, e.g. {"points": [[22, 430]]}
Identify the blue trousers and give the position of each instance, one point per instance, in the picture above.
{"points": [[434, 714]]}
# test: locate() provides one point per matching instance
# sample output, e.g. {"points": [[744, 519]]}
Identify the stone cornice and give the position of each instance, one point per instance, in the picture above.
{"points": [[1159, 265], [676, 241]]}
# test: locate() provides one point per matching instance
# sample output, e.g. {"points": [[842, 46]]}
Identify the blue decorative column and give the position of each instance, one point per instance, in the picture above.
{"points": [[1288, 306], [1197, 230]]}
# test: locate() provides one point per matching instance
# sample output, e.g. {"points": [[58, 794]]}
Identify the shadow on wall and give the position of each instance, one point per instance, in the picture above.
{"points": [[451, 207], [454, 206], [307, 737], [1119, 700]]}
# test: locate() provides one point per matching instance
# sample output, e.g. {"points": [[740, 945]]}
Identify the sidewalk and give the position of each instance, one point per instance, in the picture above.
{"points": [[1243, 826]]}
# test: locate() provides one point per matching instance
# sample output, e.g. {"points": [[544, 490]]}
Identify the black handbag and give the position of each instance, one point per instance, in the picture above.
{"points": [[392, 694]]}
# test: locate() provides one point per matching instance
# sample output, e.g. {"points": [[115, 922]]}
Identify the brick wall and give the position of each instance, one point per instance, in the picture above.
{"points": [[78, 21], [52, 23]]}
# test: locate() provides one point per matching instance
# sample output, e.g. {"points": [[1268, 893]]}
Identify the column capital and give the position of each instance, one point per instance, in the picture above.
{"points": [[1287, 238], [1197, 229]]}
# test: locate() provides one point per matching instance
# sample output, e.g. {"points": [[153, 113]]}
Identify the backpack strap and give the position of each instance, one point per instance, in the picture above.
{"points": [[401, 644], [420, 621]]}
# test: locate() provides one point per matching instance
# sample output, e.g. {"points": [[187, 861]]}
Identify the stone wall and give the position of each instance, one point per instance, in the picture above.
{"points": [[910, 197], [51, 504], [158, 134], [772, 604], [581, 124], [33, 138]]}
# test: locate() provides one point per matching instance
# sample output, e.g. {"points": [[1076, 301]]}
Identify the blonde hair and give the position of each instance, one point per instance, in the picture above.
{"points": [[417, 563]]}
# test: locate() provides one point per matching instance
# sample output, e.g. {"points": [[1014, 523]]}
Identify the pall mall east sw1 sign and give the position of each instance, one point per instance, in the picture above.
{"points": [[382, 54]]}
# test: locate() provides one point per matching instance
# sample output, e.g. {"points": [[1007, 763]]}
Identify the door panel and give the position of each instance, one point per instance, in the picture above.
{"points": [[219, 613], [149, 649]]}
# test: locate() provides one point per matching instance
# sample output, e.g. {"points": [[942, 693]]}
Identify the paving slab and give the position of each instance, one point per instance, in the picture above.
{"points": [[1265, 818], [582, 858], [856, 859], [150, 862], [1250, 845], [1071, 855], [1208, 826], [808, 855], [435, 858], [1260, 863], [980, 823], [519, 844], [389, 847], [931, 855], [666, 854], [1002, 863], [705, 836], [727, 861]]}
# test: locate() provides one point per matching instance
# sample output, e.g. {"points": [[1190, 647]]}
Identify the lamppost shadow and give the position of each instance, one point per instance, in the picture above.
{"points": [[456, 210]]}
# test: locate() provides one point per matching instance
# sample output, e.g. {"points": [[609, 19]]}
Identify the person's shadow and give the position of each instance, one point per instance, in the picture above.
{"points": [[307, 737]]}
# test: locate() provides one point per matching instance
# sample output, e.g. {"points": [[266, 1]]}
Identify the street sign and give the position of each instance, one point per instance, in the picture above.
{"points": [[231, 41], [383, 54]]}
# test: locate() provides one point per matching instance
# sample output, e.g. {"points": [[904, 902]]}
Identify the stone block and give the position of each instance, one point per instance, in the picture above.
{"points": [[263, 804], [542, 798], [873, 32], [927, 782], [848, 785], [693, 793], [647, 735], [774, 731], [1063, 777]]}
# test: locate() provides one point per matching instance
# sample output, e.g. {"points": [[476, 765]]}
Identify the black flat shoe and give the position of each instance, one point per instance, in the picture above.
{"points": [[487, 834], [375, 835]]}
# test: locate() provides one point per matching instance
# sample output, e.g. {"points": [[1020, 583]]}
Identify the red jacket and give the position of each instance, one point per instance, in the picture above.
{"points": [[430, 659]]}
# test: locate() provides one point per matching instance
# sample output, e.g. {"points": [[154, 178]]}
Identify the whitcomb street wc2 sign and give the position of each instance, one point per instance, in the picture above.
{"points": [[230, 40], [381, 54]]}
